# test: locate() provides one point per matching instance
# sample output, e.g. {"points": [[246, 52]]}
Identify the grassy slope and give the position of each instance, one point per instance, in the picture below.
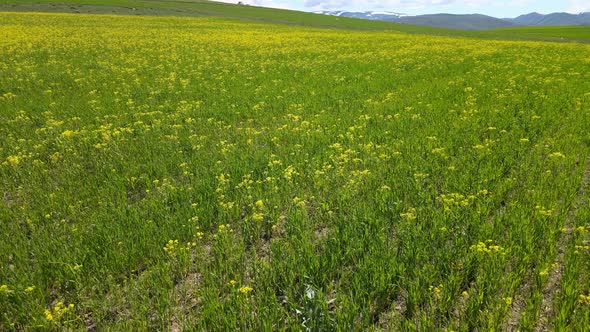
{"points": [[119, 131], [270, 15], [207, 8]]}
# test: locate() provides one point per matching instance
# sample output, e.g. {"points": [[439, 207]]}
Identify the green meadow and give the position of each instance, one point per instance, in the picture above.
{"points": [[228, 173], [203, 8]]}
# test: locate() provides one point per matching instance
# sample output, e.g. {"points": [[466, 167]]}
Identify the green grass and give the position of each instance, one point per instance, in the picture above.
{"points": [[207, 8], [279, 16], [163, 173], [558, 34], [577, 32]]}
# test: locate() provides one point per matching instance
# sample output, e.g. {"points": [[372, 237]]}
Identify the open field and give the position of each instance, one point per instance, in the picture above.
{"points": [[169, 173], [579, 34], [200, 8], [575, 32]]}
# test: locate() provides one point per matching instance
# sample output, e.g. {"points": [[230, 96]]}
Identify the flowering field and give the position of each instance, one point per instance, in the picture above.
{"points": [[211, 174]]}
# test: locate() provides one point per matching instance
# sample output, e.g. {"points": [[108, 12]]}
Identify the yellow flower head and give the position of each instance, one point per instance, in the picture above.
{"points": [[245, 290], [48, 315]]}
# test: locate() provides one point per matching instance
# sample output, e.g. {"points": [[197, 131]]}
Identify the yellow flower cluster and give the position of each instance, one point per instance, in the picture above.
{"points": [[556, 155], [436, 291], [173, 247], [420, 176], [543, 211], [222, 230], [299, 202], [453, 200], [289, 172], [486, 146], [245, 290], [222, 183], [13, 160], [59, 310], [487, 247], [409, 215], [4, 289], [584, 247]]}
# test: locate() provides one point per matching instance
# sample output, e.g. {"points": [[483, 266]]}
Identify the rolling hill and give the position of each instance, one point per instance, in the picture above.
{"points": [[462, 22], [553, 19], [471, 21], [448, 21]]}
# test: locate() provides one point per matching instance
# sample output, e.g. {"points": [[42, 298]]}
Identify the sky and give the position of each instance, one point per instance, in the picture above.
{"points": [[496, 8]]}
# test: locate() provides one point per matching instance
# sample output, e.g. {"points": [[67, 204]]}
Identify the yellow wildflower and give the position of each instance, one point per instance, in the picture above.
{"points": [[258, 216], [48, 315], [409, 215], [4, 289], [245, 290], [13, 160], [556, 155]]}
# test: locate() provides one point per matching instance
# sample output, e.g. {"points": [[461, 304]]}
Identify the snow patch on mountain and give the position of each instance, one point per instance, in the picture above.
{"points": [[370, 15]]}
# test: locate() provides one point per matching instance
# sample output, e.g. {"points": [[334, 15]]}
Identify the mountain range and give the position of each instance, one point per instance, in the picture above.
{"points": [[469, 21]]}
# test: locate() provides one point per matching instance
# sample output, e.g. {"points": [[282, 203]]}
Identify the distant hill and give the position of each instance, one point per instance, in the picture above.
{"points": [[530, 19], [470, 21], [462, 22], [554, 19], [449, 21]]}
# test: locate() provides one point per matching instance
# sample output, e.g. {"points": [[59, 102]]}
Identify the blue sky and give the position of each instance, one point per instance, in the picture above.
{"points": [[497, 8]]}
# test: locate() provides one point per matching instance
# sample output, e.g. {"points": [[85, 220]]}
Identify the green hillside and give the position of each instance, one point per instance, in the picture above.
{"points": [[207, 8], [198, 8]]}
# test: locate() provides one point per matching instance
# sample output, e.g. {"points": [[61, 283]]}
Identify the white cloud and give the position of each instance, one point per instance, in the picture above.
{"points": [[261, 3], [578, 6], [490, 7], [397, 4]]}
